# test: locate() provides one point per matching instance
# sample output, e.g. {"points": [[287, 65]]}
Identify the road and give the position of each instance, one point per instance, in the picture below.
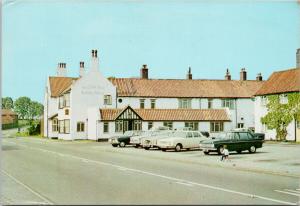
{"points": [[39, 171]]}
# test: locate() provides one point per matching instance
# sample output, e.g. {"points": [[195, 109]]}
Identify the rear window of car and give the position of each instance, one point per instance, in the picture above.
{"points": [[196, 134]]}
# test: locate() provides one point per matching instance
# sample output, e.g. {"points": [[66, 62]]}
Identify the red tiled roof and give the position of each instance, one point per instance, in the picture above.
{"points": [[127, 87], [170, 114], [59, 84], [7, 112], [281, 82]]}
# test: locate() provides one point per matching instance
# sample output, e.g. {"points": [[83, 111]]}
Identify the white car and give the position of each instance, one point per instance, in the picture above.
{"points": [[179, 140], [151, 141], [136, 140]]}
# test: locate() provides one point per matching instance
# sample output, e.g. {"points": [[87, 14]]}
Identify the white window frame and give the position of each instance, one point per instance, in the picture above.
{"points": [[80, 126], [216, 127], [210, 103], [168, 124], [55, 125], [152, 103], [283, 99], [185, 103], [105, 125], [193, 125], [142, 103], [137, 125], [119, 126], [228, 103]]}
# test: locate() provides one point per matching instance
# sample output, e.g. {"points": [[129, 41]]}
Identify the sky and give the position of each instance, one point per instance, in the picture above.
{"points": [[169, 36]]}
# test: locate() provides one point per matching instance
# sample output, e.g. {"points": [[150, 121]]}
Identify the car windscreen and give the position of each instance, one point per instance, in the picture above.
{"points": [[223, 135]]}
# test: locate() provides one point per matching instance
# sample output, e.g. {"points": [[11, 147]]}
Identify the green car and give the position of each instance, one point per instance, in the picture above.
{"points": [[234, 140]]}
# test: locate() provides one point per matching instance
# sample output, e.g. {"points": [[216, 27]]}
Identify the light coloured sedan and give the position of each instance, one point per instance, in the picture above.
{"points": [[151, 141], [136, 140], [179, 140]]}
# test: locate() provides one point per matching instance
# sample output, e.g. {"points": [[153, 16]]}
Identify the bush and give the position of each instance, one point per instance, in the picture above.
{"points": [[34, 128]]}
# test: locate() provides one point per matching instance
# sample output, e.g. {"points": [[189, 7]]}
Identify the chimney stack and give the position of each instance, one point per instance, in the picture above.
{"points": [[189, 75], [61, 70], [94, 61], [81, 69], [227, 76], [243, 74], [144, 72], [298, 58], [259, 77]]}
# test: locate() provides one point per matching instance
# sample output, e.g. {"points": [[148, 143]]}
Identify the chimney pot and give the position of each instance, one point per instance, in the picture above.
{"points": [[144, 72], [189, 74], [96, 53], [259, 77], [243, 74], [227, 75]]}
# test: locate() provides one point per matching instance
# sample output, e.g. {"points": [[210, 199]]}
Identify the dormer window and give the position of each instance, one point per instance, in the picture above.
{"points": [[283, 99], [185, 103], [64, 101]]}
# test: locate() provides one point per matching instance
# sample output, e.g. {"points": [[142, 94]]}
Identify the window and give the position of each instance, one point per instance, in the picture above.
{"points": [[283, 99], [67, 100], [168, 124], [61, 126], [199, 103], [229, 103], [196, 134], [66, 112], [189, 135], [216, 126], [185, 103], [107, 100], [105, 127], [150, 125], [192, 125], [61, 102], [240, 125], [142, 103], [119, 126], [152, 103], [120, 100], [67, 126], [80, 126], [64, 126], [64, 101], [209, 103], [137, 125], [243, 136], [54, 125]]}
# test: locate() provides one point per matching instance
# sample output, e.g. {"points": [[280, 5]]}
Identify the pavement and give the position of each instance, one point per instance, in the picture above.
{"points": [[43, 171]]}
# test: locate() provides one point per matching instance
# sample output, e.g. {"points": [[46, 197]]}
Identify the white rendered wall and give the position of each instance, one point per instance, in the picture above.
{"points": [[88, 92]]}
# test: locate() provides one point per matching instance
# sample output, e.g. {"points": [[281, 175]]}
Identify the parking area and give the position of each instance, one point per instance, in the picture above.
{"points": [[275, 158]]}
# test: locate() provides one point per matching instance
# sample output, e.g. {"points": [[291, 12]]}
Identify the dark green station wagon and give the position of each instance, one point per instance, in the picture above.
{"points": [[234, 140]]}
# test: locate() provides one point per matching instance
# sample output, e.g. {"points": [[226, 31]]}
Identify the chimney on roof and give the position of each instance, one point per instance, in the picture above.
{"points": [[189, 75], [61, 70], [243, 74], [259, 77], [94, 60], [298, 58], [81, 69], [144, 72], [227, 76]]}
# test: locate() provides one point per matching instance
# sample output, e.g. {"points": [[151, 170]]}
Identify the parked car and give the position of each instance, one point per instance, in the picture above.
{"points": [[205, 133], [236, 140], [150, 141], [179, 140], [136, 140], [124, 139]]}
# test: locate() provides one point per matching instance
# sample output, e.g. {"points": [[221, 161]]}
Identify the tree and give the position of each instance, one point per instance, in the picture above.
{"points": [[7, 103], [281, 115], [22, 105], [35, 110]]}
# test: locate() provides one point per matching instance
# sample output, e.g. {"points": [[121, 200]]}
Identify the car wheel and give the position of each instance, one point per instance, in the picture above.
{"points": [[206, 153], [146, 148], [122, 144], [252, 149], [239, 151], [114, 145], [178, 147], [219, 150], [163, 149]]}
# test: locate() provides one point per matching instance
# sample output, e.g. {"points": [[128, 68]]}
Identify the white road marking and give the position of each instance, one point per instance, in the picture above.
{"points": [[174, 179], [289, 193], [186, 184], [295, 191], [28, 188]]}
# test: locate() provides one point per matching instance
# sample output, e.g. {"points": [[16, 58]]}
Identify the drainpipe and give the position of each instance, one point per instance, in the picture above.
{"points": [[235, 113], [47, 113]]}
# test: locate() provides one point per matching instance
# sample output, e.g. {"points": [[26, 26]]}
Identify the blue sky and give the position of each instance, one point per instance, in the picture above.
{"points": [[168, 36]]}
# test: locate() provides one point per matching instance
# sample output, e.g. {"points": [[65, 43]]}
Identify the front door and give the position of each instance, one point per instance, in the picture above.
{"points": [[128, 125]]}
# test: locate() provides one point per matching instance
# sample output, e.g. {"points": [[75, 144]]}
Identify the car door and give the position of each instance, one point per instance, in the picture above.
{"points": [[233, 141], [197, 137], [244, 142], [188, 140]]}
